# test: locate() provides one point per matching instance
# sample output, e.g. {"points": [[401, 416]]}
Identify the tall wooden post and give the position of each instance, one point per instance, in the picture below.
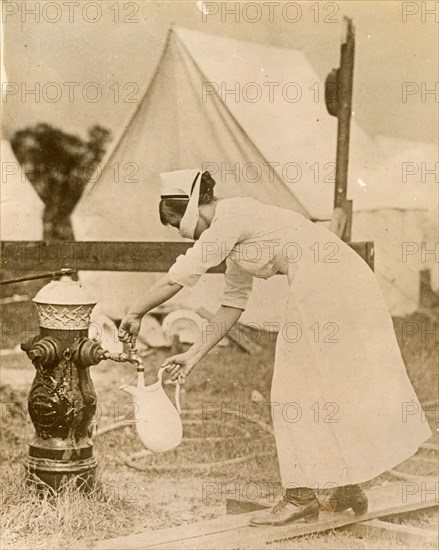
{"points": [[338, 95]]}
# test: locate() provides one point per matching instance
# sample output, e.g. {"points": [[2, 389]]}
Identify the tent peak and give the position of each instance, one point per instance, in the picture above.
{"points": [[186, 32]]}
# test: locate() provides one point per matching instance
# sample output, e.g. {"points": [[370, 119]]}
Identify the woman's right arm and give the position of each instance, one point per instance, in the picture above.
{"points": [[161, 291], [210, 250]]}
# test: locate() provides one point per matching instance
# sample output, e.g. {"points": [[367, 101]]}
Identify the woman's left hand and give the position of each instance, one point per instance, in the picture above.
{"points": [[179, 366]]}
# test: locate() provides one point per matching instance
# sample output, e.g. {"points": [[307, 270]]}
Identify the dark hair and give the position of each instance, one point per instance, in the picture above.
{"points": [[172, 210]]}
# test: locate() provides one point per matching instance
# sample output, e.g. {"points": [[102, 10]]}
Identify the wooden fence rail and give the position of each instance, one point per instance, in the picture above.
{"points": [[34, 256]]}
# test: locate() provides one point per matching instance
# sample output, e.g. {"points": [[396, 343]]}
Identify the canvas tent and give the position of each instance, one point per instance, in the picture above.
{"points": [[255, 116], [21, 207], [401, 218]]}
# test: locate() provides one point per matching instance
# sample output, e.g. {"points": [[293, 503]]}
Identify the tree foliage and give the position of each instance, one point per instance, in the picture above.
{"points": [[59, 165]]}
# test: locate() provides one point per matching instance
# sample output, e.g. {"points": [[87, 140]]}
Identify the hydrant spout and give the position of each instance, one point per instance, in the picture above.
{"points": [[134, 358], [130, 357]]}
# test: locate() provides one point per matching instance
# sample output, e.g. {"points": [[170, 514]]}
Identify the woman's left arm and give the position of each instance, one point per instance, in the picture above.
{"points": [[212, 333]]}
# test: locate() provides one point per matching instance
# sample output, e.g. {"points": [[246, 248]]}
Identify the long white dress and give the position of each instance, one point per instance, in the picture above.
{"points": [[343, 407]]}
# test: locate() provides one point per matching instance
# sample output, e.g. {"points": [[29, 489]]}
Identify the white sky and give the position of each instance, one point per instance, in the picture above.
{"points": [[111, 54]]}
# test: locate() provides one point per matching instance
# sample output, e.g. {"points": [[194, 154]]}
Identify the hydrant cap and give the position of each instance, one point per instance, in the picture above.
{"points": [[64, 305], [66, 291]]}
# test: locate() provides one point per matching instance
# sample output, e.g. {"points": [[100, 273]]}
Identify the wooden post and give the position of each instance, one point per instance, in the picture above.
{"points": [[338, 93]]}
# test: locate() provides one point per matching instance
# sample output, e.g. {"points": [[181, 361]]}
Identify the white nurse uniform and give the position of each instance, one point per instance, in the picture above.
{"points": [[342, 402]]}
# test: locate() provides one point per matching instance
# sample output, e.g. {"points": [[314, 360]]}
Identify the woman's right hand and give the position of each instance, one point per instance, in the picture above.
{"points": [[129, 328]]}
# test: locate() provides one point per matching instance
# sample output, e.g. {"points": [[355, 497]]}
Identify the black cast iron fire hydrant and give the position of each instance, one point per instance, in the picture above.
{"points": [[62, 400]]}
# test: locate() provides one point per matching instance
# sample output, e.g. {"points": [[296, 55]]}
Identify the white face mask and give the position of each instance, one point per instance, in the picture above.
{"points": [[191, 216]]}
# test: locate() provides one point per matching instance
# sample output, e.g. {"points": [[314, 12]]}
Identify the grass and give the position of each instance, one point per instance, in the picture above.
{"points": [[125, 500], [31, 520]]}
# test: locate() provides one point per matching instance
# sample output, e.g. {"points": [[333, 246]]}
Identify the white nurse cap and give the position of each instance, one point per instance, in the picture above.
{"points": [[183, 184], [178, 183]]}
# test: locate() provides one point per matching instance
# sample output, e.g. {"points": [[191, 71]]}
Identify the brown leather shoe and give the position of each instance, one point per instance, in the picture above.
{"points": [[343, 498], [289, 510]]}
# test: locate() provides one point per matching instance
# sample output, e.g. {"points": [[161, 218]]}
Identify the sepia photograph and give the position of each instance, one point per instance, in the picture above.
{"points": [[219, 275]]}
